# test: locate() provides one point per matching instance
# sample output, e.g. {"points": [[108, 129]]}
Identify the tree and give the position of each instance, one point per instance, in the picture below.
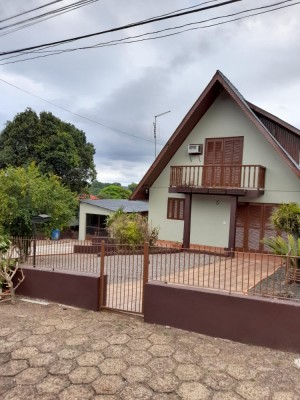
{"points": [[54, 145], [114, 192], [132, 186], [96, 186], [11, 275], [25, 192]]}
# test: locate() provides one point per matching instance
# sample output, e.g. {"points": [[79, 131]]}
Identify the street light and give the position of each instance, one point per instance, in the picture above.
{"points": [[154, 128], [37, 219]]}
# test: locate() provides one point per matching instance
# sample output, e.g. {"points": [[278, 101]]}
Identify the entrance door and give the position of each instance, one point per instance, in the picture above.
{"points": [[218, 154]]}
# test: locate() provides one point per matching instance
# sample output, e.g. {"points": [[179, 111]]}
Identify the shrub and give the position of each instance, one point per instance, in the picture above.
{"points": [[286, 218], [131, 229], [289, 247]]}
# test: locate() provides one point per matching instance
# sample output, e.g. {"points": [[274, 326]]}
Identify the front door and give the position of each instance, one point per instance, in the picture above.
{"points": [[222, 162]]}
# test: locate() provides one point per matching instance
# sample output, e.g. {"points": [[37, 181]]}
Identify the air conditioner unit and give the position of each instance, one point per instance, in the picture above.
{"points": [[195, 149]]}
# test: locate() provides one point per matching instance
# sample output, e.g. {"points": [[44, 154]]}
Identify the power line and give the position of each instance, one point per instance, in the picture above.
{"points": [[132, 25], [29, 11], [128, 40], [43, 17], [183, 9], [59, 12], [79, 115]]}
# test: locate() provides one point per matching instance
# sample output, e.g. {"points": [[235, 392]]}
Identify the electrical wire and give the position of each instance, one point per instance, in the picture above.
{"points": [[132, 25], [128, 40], [29, 11], [43, 17], [60, 13], [79, 115]]}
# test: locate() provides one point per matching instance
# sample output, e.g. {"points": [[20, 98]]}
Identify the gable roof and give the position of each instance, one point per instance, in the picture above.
{"points": [[255, 114], [128, 206]]}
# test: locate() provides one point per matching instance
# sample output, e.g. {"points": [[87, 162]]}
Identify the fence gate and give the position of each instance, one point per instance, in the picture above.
{"points": [[123, 275]]}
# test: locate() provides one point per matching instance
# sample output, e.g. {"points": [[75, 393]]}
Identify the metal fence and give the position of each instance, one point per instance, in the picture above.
{"points": [[125, 270], [239, 272], [58, 255]]}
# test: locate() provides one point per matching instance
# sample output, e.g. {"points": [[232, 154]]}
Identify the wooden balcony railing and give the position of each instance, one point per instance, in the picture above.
{"points": [[219, 176]]}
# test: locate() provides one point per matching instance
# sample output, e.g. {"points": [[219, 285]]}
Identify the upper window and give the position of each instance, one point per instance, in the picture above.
{"points": [[175, 208]]}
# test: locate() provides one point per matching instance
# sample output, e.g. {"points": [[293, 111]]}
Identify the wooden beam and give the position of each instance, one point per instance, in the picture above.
{"points": [[232, 223], [187, 221]]}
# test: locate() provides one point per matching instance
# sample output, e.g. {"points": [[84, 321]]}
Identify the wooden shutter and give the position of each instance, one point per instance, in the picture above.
{"points": [[268, 229], [213, 156], [255, 226], [224, 151], [252, 225], [241, 226], [175, 209], [233, 154]]}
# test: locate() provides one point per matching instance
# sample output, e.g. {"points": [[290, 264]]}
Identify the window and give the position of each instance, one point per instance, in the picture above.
{"points": [[175, 208]]}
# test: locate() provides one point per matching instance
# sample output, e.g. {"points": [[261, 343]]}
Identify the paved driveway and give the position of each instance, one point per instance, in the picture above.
{"points": [[53, 352]]}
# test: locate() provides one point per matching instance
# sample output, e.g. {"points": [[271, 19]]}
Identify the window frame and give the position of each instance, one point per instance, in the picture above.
{"points": [[175, 209]]}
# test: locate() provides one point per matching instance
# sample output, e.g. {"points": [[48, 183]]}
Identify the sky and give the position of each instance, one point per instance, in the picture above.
{"points": [[124, 86]]}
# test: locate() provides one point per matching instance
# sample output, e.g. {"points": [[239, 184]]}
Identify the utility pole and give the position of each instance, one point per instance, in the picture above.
{"points": [[154, 129]]}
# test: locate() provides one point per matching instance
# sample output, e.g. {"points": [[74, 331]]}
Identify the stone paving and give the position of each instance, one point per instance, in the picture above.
{"points": [[53, 352]]}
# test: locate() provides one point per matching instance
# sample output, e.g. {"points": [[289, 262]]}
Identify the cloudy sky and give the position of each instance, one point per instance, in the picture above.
{"points": [[125, 86]]}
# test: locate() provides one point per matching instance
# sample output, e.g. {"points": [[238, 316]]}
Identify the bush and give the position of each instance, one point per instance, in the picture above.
{"points": [[289, 247], [131, 229], [286, 218]]}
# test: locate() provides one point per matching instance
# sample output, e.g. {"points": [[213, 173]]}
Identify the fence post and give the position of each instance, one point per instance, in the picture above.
{"points": [[102, 257], [145, 272]]}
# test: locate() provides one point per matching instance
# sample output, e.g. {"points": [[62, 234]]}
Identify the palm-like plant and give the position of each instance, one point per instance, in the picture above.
{"points": [[289, 248]]}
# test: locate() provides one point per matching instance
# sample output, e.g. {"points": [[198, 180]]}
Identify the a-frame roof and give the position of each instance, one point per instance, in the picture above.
{"points": [[218, 84]]}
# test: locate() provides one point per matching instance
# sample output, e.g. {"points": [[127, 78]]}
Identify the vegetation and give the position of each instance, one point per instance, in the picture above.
{"points": [[131, 229], [26, 192], [114, 192], [55, 146], [132, 186], [96, 186], [289, 248], [9, 267], [286, 218]]}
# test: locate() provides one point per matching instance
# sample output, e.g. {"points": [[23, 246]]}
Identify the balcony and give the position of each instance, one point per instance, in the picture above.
{"points": [[240, 180]]}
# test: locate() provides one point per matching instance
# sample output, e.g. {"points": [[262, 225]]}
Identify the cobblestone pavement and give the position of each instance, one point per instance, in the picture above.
{"points": [[53, 352]]}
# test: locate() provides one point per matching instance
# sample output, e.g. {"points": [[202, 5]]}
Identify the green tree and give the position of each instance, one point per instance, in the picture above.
{"points": [[25, 192], [114, 192], [54, 145], [96, 186], [132, 186]]}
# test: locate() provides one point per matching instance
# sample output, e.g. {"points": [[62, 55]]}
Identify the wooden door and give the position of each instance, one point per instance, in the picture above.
{"points": [[218, 154]]}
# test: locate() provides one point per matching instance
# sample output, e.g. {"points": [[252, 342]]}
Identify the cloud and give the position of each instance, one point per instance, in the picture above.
{"points": [[126, 86]]}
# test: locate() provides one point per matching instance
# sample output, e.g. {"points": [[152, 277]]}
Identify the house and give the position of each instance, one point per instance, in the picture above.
{"points": [[93, 214], [224, 169]]}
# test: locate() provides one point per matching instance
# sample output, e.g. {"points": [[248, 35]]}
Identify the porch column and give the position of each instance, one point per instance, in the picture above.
{"points": [[187, 221], [232, 223]]}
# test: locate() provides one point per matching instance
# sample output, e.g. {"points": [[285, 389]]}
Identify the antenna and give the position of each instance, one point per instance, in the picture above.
{"points": [[154, 129]]}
